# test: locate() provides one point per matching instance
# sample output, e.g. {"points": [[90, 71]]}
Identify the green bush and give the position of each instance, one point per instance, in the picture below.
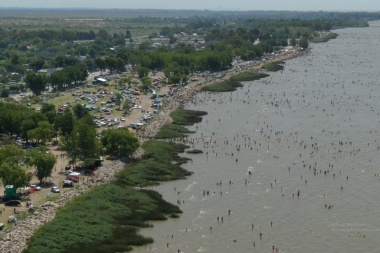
{"points": [[224, 86], [194, 151], [186, 117], [106, 219], [325, 38], [172, 131], [273, 66], [160, 162], [247, 76]]}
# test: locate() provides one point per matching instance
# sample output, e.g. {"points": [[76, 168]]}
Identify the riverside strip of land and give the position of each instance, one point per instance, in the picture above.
{"points": [[15, 239]]}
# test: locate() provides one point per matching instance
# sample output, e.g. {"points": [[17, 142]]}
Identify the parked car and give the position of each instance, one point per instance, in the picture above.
{"points": [[67, 183], [55, 189], [35, 187], [13, 203]]}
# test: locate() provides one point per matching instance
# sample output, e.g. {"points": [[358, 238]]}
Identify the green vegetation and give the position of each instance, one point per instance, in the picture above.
{"points": [[11, 173], [81, 144], [168, 131], [224, 86], [194, 151], [247, 76], [104, 220], [274, 66], [119, 142], [71, 43], [43, 161], [159, 163], [325, 38], [107, 218], [180, 118], [186, 117]]}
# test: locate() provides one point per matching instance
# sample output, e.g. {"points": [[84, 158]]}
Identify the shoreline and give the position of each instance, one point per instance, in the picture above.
{"points": [[15, 239]]}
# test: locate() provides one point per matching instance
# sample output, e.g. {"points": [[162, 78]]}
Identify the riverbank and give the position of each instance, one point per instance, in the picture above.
{"points": [[15, 239]]}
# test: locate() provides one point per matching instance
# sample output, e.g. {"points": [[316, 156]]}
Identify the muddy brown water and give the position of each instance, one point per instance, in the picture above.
{"points": [[310, 130]]}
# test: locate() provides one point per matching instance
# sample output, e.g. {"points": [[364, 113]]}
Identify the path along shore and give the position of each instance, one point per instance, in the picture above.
{"points": [[15, 239]]}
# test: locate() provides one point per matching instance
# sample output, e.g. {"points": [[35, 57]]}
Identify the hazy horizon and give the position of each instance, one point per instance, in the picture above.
{"points": [[237, 5]]}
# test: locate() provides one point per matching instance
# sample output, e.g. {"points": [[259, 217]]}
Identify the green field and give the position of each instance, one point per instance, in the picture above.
{"points": [[111, 21]]}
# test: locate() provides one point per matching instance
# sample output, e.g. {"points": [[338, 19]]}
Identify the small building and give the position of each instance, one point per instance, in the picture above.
{"points": [[48, 71]]}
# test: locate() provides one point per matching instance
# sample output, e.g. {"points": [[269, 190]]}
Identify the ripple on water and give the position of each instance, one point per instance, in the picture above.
{"points": [[190, 186], [202, 249]]}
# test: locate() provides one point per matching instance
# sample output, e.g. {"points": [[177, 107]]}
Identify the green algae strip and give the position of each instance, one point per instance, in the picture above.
{"points": [[273, 66], [325, 38], [186, 117], [247, 76], [106, 219], [224, 86], [168, 131], [181, 117]]}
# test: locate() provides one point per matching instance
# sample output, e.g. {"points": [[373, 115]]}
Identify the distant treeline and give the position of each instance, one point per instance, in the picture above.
{"points": [[186, 14]]}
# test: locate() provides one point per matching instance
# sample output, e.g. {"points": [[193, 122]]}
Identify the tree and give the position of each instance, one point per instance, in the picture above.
{"points": [[49, 111], [4, 93], [26, 126], [111, 64], [120, 66], [143, 71], [129, 81], [41, 133], [119, 142], [58, 79], [11, 154], [14, 175], [64, 123], [126, 105], [82, 143], [43, 161], [100, 64], [36, 82], [146, 82], [10, 172], [292, 42], [119, 97], [304, 43], [79, 111], [37, 63], [128, 35]]}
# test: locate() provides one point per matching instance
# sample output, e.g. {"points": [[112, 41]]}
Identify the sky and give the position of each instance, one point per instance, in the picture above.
{"points": [[236, 5]]}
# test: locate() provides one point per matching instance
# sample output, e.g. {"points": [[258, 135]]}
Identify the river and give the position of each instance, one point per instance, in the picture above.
{"points": [[292, 157]]}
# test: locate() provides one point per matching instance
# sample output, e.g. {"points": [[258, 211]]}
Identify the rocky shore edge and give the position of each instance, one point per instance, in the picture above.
{"points": [[15, 239]]}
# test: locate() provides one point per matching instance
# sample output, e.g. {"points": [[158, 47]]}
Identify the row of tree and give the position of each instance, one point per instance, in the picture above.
{"points": [[11, 158], [77, 136], [59, 80]]}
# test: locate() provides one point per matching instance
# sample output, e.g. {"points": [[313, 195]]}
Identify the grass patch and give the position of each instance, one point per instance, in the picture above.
{"points": [[247, 76], [106, 219], [325, 38], [273, 66], [224, 86], [180, 118], [186, 117], [172, 131], [194, 151], [160, 162]]}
